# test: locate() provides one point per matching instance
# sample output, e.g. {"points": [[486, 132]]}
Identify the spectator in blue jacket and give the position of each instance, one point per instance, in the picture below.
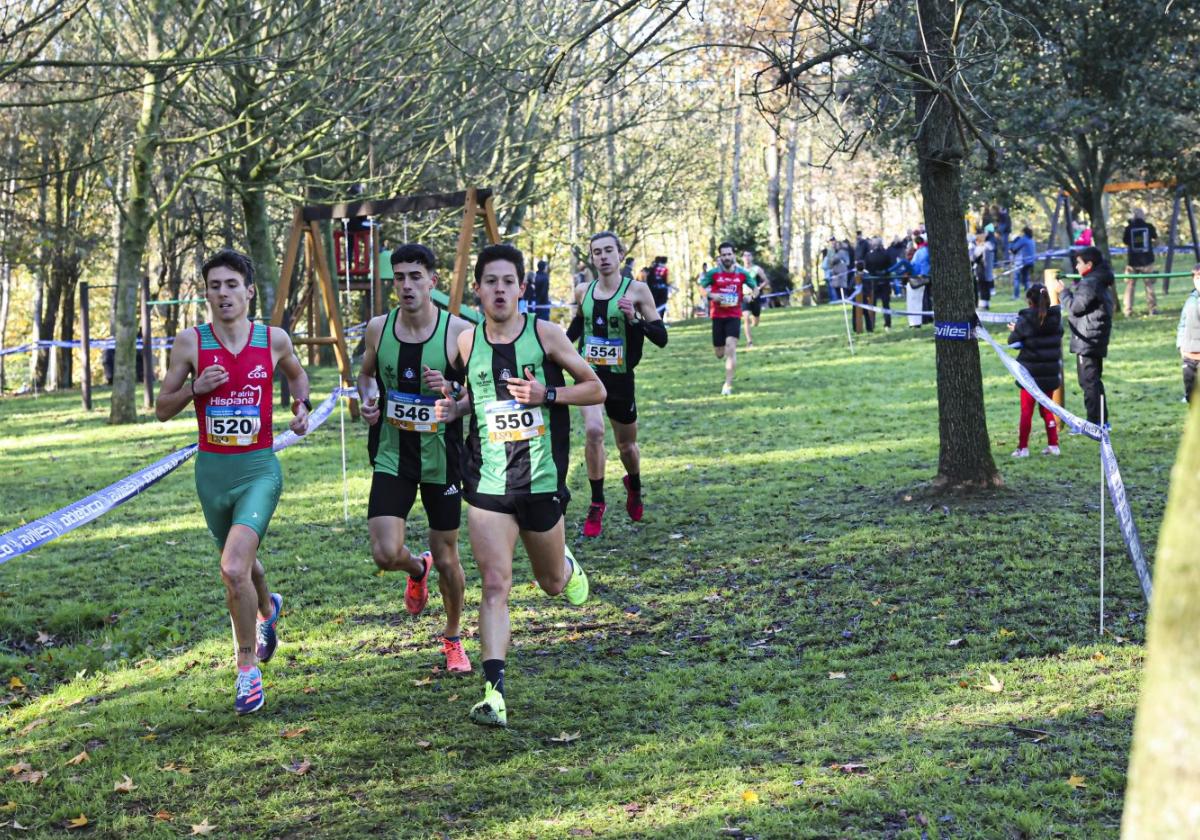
{"points": [[1024, 253]]}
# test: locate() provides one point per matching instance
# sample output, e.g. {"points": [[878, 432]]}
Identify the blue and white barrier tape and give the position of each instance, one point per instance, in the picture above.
{"points": [[52, 526], [1112, 472]]}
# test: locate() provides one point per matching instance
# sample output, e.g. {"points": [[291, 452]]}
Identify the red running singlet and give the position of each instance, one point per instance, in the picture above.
{"points": [[236, 417]]}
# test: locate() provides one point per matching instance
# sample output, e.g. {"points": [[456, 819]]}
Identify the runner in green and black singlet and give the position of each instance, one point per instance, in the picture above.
{"points": [[404, 369], [231, 361], [615, 315], [518, 434]]}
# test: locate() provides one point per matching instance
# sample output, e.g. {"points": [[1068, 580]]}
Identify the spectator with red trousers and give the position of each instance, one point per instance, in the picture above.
{"points": [[1038, 331]]}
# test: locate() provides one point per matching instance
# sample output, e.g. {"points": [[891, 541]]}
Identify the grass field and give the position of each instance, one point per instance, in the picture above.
{"points": [[774, 652]]}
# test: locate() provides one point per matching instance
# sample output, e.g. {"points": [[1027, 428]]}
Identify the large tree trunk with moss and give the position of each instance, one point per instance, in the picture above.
{"points": [[1164, 769], [965, 454], [260, 242], [134, 235]]}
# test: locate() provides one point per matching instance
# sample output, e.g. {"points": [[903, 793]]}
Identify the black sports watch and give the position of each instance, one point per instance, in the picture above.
{"points": [[306, 402], [551, 396]]}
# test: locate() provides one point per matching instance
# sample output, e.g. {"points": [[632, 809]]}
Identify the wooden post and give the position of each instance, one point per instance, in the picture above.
{"points": [[1048, 275], [310, 296], [85, 346], [463, 252], [290, 254], [147, 342], [490, 225], [329, 297]]}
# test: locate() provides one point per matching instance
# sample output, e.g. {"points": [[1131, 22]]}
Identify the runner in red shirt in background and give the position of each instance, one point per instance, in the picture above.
{"points": [[724, 284]]}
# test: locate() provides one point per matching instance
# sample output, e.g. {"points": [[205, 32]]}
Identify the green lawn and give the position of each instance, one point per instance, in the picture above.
{"points": [[769, 654]]}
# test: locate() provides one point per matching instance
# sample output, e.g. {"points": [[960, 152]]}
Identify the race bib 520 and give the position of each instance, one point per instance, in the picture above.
{"points": [[509, 420], [411, 412], [232, 425], [604, 352]]}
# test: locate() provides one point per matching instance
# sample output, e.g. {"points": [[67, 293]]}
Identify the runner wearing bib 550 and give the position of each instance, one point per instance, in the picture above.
{"points": [[405, 366], [518, 435], [232, 361], [615, 315]]}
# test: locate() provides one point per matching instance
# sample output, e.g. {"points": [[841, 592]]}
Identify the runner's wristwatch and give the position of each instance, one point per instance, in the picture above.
{"points": [[306, 402], [551, 396]]}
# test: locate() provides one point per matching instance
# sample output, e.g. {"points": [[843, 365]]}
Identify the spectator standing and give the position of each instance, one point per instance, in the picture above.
{"points": [[1187, 339], [659, 285], [1089, 309], [876, 263], [627, 269], [1139, 238], [836, 264], [541, 295], [1038, 332], [1003, 229], [1024, 253], [920, 265]]}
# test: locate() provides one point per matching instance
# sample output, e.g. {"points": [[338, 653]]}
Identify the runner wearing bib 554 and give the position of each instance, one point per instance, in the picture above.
{"points": [[232, 361], [615, 314]]}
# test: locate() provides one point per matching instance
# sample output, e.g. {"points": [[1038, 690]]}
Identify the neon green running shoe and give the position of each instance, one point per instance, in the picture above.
{"points": [[490, 711], [576, 590]]}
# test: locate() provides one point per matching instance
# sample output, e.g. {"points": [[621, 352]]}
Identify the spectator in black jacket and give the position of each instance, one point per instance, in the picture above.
{"points": [[1139, 238], [876, 263], [1038, 332], [1089, 309]]}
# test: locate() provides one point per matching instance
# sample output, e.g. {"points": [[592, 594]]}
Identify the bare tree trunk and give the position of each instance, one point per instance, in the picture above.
{"points": [[1164, 767], [735, 182], [134, 236], [810, 277], [772, 155], [576, 179], [965, 455], [789, 200], [67, 330], [6, 236], [261, 244], [38, 358]]}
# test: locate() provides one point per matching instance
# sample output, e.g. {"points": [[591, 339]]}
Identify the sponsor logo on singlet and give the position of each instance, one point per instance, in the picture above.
{"points": [[259, 372], [249, 395]]}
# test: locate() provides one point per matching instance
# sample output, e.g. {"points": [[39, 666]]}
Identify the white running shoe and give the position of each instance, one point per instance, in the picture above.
{"points": [[1051, 450], [726, 390], [1021, 453]]}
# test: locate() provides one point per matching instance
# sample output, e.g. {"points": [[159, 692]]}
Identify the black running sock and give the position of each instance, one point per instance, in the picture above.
{"points": [[597, 490], [493, 672], [451, 638], [635, 482]]}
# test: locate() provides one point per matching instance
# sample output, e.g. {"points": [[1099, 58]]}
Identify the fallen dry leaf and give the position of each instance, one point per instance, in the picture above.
{"points": [[293, 733], [15, 683], [79, 759], [423, 681], [32, 725], [204, 828], [849, 768], [164, 816], [1098, 656], [308, 689], [452, 698], [566, 737], [19, 827], [44, 638], [150, 737], [837, 675], [1077, 782], [956, 643], [424, 744], [633, 808], [8, 806], [19, 767], [749, 797], [994, 685], [33, 777], [126, 785], [299, 769], [77, 822]]}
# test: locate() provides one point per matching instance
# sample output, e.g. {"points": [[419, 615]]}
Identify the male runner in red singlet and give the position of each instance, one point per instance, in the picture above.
{"points": [[232, 361]]}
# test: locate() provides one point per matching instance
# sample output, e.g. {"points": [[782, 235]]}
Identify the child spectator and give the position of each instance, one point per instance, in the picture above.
{"points": [[1187, 339], [1038, 331]]}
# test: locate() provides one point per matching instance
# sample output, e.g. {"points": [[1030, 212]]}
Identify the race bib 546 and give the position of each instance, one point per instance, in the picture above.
{"points": [[411, 412]]}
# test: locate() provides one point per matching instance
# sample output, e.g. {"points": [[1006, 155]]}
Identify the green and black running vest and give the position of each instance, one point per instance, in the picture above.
{"points": [[513, 449], [408, 441], [608, 344]]}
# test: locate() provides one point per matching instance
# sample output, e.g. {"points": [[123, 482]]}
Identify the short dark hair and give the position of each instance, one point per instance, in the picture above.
{"points": [[1090, 254], [229, 258], [495, 253], [606, 233], [414, 252], [725, 245], [1028, 231]]}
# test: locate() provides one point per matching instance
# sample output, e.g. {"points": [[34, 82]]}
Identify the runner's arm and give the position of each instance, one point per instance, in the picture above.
{"points": [[449, 409], [643, 314], [176, 391], [366, 373], [289, 364], [587, 390]]}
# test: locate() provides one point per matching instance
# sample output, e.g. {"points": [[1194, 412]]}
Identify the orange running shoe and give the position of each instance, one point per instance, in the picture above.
{"points": [[416, 593], [456, 657]]}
